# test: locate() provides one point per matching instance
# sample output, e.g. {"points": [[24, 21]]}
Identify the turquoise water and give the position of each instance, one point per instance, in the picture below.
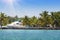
{"points": [[29, 34]]}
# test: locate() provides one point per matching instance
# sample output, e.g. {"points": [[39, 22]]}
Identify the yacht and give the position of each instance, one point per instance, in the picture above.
{"points": [[16, 24]]}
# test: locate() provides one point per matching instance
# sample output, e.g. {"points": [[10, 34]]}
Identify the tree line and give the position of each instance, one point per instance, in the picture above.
{"points": [[46, 19], [4, 19]]}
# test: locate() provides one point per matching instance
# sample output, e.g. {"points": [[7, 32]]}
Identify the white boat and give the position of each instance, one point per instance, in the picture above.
{"points": [[15, 24]]}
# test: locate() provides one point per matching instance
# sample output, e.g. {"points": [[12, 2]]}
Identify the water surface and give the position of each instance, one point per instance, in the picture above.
{"points": [[29, 34]]}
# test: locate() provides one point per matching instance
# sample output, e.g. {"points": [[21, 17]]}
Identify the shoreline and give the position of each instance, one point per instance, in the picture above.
{"points": [[35, 28]]}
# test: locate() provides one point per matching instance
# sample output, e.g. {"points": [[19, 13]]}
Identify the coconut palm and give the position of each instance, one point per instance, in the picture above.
{"points": [[44, 17]]}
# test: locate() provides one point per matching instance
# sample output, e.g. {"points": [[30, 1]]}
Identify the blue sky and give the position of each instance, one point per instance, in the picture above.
{"points": [[28, 7]]}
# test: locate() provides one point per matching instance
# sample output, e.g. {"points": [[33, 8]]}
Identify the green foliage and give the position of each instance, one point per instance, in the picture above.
{"points": [[44, 19], [4, 19]]}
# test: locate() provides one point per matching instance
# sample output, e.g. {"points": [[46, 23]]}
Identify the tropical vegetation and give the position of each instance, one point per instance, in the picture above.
{"points": [[46, 19]]}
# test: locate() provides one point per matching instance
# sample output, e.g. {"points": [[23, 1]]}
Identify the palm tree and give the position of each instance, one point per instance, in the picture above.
{"points": [[1, 18], [44, 16], [33, 21], [26, 21], [55, 18]]}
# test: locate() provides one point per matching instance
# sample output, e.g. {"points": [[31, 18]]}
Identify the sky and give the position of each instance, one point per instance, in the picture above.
{"points": [[29, 8]]}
